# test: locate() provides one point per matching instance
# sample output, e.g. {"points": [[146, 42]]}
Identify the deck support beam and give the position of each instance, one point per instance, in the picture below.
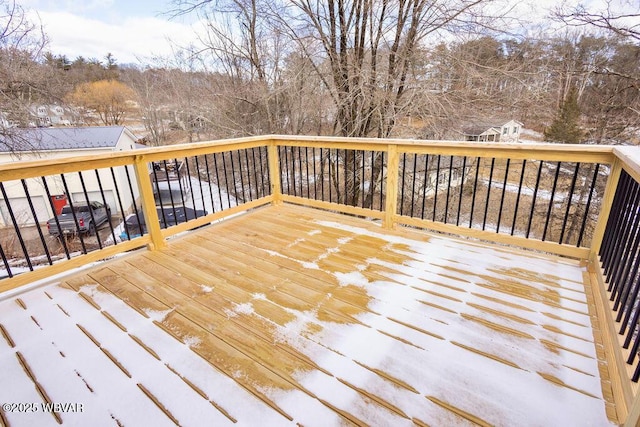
{"points": [[391, 198], [274, 173]]}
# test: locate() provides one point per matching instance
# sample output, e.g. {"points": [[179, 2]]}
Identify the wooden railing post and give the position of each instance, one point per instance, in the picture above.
{"points": [[148, 204], [274, 173], [391, 200], [607, 202]]}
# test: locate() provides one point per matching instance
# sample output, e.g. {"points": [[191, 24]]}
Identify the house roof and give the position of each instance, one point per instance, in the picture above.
{"points": [[481, 128], [53, 139]]}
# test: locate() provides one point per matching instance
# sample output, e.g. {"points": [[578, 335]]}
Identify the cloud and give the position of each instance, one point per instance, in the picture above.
{"points": [[131, 40]]}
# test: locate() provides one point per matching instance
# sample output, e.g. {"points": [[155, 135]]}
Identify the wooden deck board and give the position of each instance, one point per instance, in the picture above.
{"points": [[294, 315]]}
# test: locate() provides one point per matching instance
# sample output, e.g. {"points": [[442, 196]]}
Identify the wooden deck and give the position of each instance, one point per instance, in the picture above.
{"points": [[289, 315]]}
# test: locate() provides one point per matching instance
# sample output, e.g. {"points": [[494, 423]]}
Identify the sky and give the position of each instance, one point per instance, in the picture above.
{"points": [[136, 31], [133, 31]]}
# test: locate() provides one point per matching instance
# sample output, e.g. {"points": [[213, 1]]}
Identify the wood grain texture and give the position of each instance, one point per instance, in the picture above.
{"points": [[275, 301]]}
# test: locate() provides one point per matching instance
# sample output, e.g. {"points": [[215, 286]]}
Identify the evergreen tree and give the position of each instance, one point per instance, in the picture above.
{"points": [[565, 127]]}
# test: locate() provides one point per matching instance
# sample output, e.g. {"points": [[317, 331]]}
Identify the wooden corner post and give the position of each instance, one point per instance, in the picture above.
{"points": [[148, 204], [274, 173], [391, 200]]}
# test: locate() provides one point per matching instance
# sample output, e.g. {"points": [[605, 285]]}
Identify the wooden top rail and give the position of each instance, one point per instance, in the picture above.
{"points": [[35, 168], [550, 152]]}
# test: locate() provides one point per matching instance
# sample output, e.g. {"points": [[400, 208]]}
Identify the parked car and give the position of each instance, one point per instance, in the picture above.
{"points": [[88, 217], [168, 216]]}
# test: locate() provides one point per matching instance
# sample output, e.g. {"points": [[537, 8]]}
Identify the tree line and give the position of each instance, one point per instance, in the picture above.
{"points": [[351, 68]]}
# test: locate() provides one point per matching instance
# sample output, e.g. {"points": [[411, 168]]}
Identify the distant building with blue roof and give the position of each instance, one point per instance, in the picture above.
{"points": [[49, 143]]}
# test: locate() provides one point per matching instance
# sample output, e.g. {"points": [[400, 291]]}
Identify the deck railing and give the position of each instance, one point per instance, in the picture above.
{"points": [[570, 200]]}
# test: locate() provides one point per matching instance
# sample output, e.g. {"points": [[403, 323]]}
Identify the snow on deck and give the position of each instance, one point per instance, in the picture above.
{"points": [[291, 316]]}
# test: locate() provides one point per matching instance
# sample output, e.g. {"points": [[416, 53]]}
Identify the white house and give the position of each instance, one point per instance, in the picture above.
{"points": [[49, 143], [502, 131], [52, 115]]}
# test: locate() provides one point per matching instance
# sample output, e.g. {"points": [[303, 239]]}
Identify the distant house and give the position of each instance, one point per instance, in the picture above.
{"points": [[49, 143], [52, 115], [508, 131]]}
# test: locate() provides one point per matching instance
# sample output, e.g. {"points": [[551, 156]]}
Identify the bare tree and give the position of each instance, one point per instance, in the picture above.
{"points": [[621, 18], [21, 78]]}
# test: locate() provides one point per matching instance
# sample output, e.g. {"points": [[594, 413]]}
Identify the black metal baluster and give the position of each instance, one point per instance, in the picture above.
{"points": [[219, 183], [346, 178], [16, 227], [372, 187], [615, 218], [287, 173], [553, 196], [569, 201], [630, 305], [355, 171], [306, 163], [627, 214], [331, 179], [300, 170], [631, 228], [35, 220], [623, 302], [504, 189], [93, 220], [363, 194], [241, 174], [632, 355], [246, 157], [263, 155], [73, 213], [424, 185], [619, 276], [226, 180], [486, 204], [322, 171], [104, 201], [636, 374], [173, 205], [206, 165], [404, 174], [315, 175], [204, 208], [264, 172], [631, 325], [55, 217], [338, 178], [234, 179], [254, 167], [446, 206], [160, 202], [190, 181], [462, 176], [515, 211], [533, 199], [382, 188], [473, 197], [133, 197], [5, 261], [588, 205], [119, 198], [413, 183], [435, 197]]}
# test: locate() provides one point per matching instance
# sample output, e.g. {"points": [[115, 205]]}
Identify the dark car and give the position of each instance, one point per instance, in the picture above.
{"points": [[82, 218], [168, 216]]}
